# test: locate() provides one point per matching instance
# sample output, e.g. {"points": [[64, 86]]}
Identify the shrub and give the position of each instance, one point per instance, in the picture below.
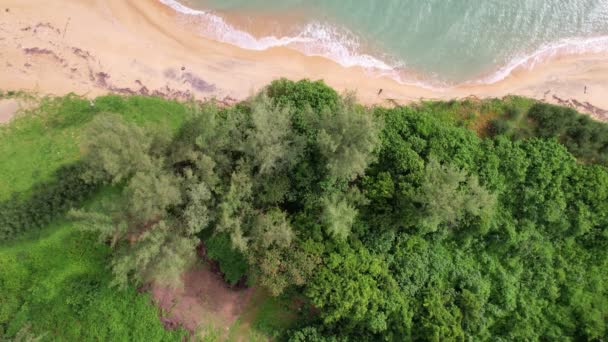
{"points": [[499, 127], [585, 138], [49, 200], [231, 261], [299, 94]]}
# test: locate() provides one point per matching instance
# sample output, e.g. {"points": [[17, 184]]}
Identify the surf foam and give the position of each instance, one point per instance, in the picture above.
{"points": [[569, 46], [343, 47], [313, 39]]}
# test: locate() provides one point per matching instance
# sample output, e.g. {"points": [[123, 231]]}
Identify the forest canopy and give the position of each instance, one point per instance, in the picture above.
{"points": [[393, 224]]}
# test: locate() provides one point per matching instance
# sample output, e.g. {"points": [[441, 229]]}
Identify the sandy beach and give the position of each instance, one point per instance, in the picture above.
{"points": [[92, 47]]}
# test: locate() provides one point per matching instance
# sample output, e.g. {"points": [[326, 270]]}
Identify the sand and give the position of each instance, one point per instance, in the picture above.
{"points": [[92, 47]]}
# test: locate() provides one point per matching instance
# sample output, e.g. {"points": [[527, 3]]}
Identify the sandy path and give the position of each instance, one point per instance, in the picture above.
{"points": [[8, 108], [92, 47]]}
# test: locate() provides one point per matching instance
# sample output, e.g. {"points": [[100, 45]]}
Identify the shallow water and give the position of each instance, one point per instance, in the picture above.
{"points": [[436, 41]]}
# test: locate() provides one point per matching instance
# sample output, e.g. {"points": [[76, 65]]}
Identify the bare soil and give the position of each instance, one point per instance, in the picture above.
{"points": [[205, 301]]}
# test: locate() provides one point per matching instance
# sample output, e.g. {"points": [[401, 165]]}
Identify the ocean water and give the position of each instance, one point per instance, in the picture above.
{"points": [[432, 42]]}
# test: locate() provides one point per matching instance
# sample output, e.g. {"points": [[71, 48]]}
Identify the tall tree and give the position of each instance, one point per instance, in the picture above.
{"points": [[115, 149]]}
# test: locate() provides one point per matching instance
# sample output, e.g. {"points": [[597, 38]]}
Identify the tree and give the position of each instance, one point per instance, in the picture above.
{"points": [[115, 149], [112, 227], [339, 216], [149, 195], [447, 194], [276, 261], [271, 146], [199, 209], [347, 139], [159, 254], [355, 288], [235, 209]]}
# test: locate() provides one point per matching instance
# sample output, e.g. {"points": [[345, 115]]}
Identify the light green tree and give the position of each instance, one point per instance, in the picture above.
{"points": [[347, 139], [447, 194], [338, 216], [115, 149], [150, 193], [271, 145], [160, 254]]}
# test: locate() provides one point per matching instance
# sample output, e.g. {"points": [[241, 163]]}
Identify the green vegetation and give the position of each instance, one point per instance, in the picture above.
{"points": [[585, 138], [472, 220], [59, 287], [231, 261]]}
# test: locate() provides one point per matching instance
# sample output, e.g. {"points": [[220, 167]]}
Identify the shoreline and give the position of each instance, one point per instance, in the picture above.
{"points": [[252, 30], [92, 47]]}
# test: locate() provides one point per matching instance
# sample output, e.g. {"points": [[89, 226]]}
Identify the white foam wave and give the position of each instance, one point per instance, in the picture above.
{"points": [[313, 39], [570, 46], [344, 47]]}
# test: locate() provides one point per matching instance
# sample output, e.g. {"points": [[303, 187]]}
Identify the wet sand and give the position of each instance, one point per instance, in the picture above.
{"points": [[92, 47]]}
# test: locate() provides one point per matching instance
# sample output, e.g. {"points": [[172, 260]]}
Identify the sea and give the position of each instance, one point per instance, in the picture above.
{"points": [[431, 43]]}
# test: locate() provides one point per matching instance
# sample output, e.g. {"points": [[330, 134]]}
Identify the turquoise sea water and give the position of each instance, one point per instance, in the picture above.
{"points": [[432, 41]]}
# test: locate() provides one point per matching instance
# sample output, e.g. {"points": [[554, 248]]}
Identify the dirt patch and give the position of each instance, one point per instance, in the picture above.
{"points": [[8, 109], [204, 301]]}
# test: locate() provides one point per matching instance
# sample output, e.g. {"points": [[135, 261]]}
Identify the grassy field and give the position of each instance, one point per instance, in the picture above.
{"points": [[54, 283], [38, 142], [58, 285]]}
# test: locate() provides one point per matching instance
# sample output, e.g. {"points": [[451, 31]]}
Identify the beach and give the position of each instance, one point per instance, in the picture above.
{"points": [[94, 47]]}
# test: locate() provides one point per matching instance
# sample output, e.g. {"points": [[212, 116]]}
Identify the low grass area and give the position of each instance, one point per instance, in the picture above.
{"points": [[478, 115], [58, 285], [266, 317], [34, 145], [274, 315]]}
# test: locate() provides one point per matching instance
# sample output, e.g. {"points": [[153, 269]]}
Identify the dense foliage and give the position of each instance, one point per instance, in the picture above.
{"points": [[232, 263], [49, 200], [387, 224]]}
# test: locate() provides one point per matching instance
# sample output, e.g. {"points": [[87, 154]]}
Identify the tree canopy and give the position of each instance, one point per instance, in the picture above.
{"points": [[393, 224]]}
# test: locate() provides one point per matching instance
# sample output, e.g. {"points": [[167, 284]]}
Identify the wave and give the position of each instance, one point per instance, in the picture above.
{"points": [[344, 47], [568, 46], [314, 39]]}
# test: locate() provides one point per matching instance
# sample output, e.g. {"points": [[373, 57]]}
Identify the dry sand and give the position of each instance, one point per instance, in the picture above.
{"points": [[93, 47]]}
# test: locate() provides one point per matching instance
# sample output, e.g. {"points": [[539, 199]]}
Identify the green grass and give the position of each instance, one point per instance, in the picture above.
{"points": [[35, 145], [58, 284], [265, 318], [55, 281], [273, 316]]}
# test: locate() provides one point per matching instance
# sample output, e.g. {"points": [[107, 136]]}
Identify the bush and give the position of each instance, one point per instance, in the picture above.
{"points": [[299, 94], [231, 261], [48, 201], [499, 127], [551, 121], [513, 113], [585, 138]]}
